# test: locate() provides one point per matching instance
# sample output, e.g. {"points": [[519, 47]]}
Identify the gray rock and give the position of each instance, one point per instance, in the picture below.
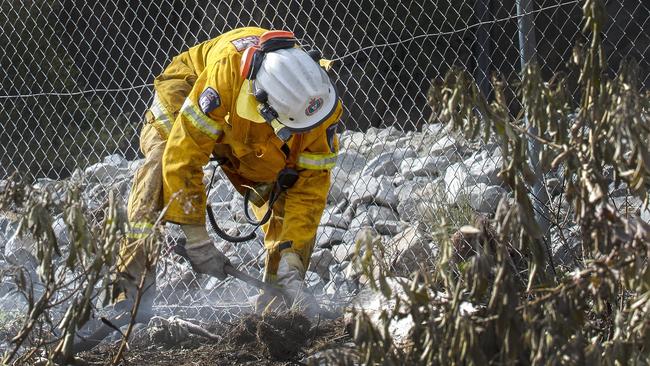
{"points": [[116, 160], [360, 220], [340, 291], [484, 167], [363, 189], [337, 271], [358, 234], [618, 191], [398, 180], [221, 191], [628, 205], [382, 146], [246, 252], [371, 134], [432, 128], [353, 140], [455, 180], [350, 161], [423, 167], [261, 255], [484, 198], [221, 210], [380, 213], [554, 186], [209, 170], [321, 261], [608, 173], [44, 183], [566, 248], [135, 165], [561, 206], [389, 227], [446, 146], [6, 285], [7, 228], [425, 180], [407, 206], [389, 133], [387, 163], [230, 227], [645, 216], [374, 304], [237, 209], [211, 284], [409, 251], [333, 218], [314, 282], [463, 183], [343, 252], [367, 189], [61, 232], [21, 251], [106, 172], [338, 181], [319, 358], [414, 197], [231, 250], [408, 210], [328, 236], [386, 193]]}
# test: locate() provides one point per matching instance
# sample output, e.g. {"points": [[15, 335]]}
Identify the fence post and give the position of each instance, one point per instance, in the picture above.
{"points": [[484, 47], [527, 45]]}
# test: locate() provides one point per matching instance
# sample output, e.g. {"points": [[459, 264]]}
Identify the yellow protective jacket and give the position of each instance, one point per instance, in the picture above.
{"points": [[253, 149]]}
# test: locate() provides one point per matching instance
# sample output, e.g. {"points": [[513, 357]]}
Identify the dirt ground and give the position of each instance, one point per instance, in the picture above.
{"points": [[278, 339]]}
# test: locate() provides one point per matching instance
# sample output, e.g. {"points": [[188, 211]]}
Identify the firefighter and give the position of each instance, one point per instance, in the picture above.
{"points": [[262, 106]]}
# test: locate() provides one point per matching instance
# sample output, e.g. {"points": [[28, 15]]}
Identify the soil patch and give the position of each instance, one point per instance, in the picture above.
{"points": [[272, 339], [283, 335]]}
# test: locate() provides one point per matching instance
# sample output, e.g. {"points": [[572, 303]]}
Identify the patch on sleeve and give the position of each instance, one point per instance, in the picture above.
{"points": [[245, 42], [209, 100], [331, 136]]}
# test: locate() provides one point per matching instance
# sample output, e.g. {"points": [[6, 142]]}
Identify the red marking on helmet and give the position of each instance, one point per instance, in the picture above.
{"points": [[314, 105]]}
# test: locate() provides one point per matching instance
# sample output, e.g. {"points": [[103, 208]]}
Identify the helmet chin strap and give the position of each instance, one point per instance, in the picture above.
{"points": [[271, 116], [281, 131]]}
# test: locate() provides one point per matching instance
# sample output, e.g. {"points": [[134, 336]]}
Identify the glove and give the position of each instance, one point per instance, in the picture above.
{"points": [[202, 254]]}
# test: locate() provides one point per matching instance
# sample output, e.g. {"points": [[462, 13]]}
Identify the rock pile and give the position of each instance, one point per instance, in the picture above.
{"points": [[388, 187]]}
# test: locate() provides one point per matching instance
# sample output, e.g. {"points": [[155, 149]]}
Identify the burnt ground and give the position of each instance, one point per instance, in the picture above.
{"points": [[275, 339]]}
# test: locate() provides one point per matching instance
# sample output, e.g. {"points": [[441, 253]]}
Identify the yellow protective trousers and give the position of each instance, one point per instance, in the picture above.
{"points": [[138, 251], [273, 242]]}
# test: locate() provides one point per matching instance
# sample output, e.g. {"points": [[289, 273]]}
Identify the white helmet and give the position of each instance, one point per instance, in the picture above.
{"points": [[294, 86]]}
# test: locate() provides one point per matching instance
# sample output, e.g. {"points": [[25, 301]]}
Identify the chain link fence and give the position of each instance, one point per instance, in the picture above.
{"points": [[76, 78]]}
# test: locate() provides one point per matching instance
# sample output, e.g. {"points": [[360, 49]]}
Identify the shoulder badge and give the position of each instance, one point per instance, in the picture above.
{"points": [[209, 100], [245, 42]]}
